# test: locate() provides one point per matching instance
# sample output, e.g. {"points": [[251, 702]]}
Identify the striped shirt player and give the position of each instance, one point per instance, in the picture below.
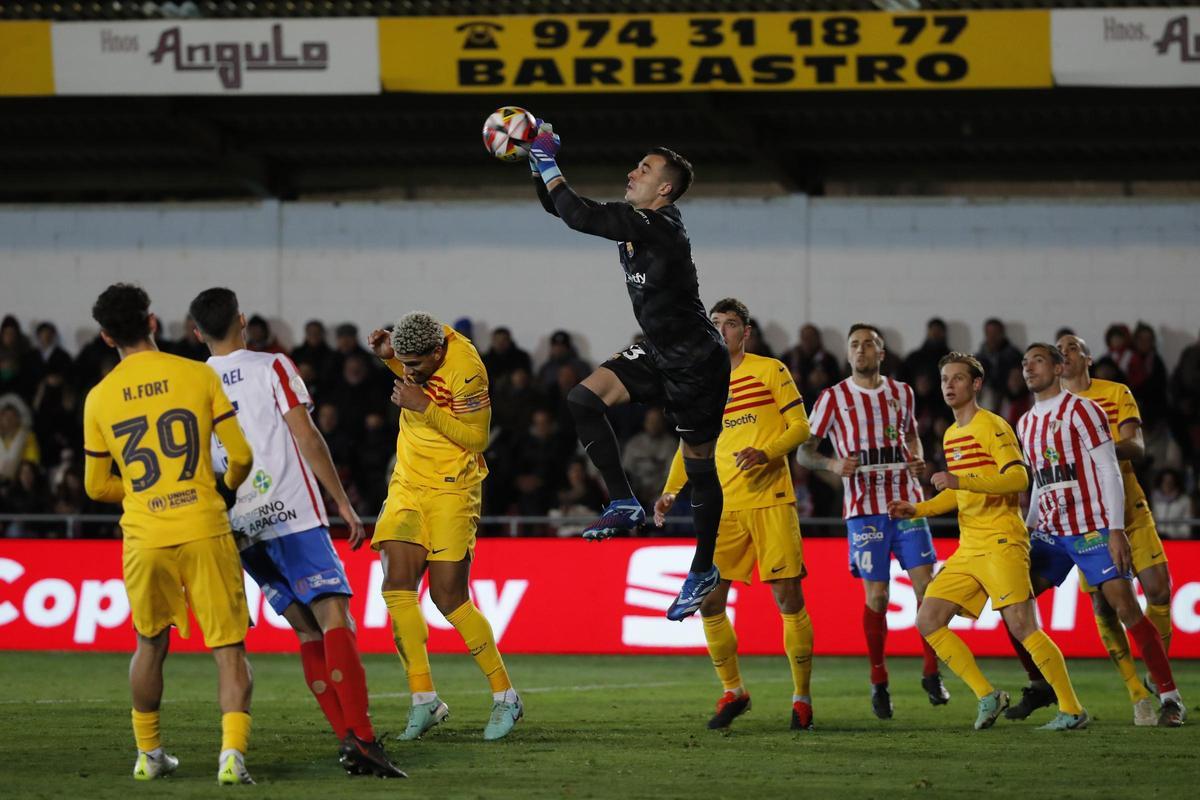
{"points": [[870, 421], [1077, 511], [281, 527]]}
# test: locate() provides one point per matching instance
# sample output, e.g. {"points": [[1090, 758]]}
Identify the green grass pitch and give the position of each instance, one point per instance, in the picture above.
{"points": [[627, 727]]}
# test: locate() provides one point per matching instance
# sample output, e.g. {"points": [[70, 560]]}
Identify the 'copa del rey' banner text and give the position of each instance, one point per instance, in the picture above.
{"points": [[167, 57], [58, 595]]}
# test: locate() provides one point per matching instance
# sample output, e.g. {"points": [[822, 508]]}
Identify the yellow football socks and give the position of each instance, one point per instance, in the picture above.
{"points": [[1160, 616], [798, 644], [722, 646], [955, 654], [411, 635], [1116, 642], [1049, 659], [145, 730], [235, 731], [476, 632]]}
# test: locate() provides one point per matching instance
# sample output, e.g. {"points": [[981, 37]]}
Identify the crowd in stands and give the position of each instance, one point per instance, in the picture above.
{"points": [[537, 468]]}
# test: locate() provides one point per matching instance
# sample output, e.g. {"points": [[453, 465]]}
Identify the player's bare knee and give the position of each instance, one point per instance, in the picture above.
{"points": [[1156, 585], [789, 595], [714, 604], [1100, 606], [447, 599], [877, 596]]}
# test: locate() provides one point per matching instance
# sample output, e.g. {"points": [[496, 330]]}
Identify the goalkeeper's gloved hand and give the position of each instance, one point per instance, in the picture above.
{"points": [[543, 152], [227, 494], [542, 126]]}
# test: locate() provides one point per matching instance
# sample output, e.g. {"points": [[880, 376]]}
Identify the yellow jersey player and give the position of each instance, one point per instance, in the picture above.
{"points": [[1149, 559], [764, 421], [432, 509], [154, 414], [985, 475]]}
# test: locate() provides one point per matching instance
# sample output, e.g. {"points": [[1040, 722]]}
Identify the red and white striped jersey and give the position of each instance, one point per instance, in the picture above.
{"points": [[872, 424], [282, 495], [1058, 436]]}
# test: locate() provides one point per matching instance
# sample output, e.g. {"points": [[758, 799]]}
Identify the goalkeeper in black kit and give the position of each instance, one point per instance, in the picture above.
{"points": [[682, 364]]}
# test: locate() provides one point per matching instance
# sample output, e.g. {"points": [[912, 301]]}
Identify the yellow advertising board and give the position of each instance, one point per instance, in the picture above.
{"points": [[715, 52], [26, 63]]}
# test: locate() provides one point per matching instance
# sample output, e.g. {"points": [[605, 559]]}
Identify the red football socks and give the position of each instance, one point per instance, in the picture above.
{"points": [[348, 678], [875, 628], [312, 657], [1154, 654]]}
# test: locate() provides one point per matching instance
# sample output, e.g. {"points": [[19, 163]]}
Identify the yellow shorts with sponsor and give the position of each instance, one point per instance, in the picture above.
{"points": [[1144, 544], [204, 575], [770, 536], [969, 578], [443, 521]]}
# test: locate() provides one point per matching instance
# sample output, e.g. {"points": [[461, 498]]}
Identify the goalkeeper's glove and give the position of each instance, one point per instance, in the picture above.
{"points": [[227, 494], [543, 152]]}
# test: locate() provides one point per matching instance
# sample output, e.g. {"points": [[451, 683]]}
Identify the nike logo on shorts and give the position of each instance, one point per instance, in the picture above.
{"points": [[435, 552], [927, 555], [1002, 597], [1107, 570], [777, 569]]}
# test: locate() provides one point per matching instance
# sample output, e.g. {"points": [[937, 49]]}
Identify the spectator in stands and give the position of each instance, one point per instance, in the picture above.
{"points": [[69, 497], [58, 418], [46, 356], [341, 446], [542, 454], [359, 393], [756, 344], [12, 339], [503, 357], [998, 356], [315, 351], [188, 346], [26, 494], [1119, 353], [346, 344], [1016, 399], [562, 354], [581, 495], [924, 360], [88, 362], [1148, 377], [1170, 504], [18, 442], [14, 349], [647, 456], [1185, 403], [374, 455], [10, 374], [514, 396], [813, 367], [259, 337]]}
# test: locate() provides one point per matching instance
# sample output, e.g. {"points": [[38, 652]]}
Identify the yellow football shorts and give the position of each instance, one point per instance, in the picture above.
{"points": [[970, 577], [770, 536], [1144, 544], [443, 521], [204, 575]]}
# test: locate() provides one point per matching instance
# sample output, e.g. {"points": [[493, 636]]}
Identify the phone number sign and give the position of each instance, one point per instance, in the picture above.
{"points": [[715, 52]]}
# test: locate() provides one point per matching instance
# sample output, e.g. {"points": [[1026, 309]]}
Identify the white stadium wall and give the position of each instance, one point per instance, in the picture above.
{"points": [[1036, 264]]}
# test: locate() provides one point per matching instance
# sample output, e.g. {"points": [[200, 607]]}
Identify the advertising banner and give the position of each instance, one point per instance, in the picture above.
{"points": [[715, 52], [60, 595], [1126, 47], [221, 57], [26, 66]]}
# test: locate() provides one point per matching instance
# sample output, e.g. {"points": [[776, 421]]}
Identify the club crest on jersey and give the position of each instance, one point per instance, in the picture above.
{"points": [[629, 249], [262, 482], [958, 454], [1055, 426], [1051, 455], [894, 404]]}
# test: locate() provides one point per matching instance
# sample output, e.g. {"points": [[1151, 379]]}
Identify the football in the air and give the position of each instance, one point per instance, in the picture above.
{"points": [[508, 132]]}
